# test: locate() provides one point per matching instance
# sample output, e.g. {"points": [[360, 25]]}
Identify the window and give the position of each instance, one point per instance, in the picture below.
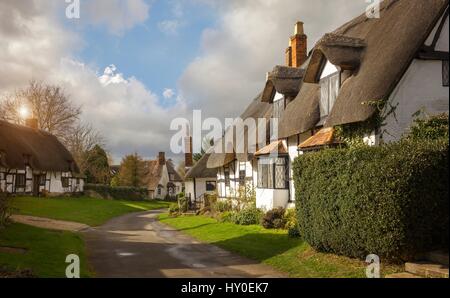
{"points": [[242, 173], [226, 172], [329, 90], [159, 190], [210, 186], [42, 180], [445, 73], [21, 180], [171, 177], [278, 108], [273, 173], [65, 182]]}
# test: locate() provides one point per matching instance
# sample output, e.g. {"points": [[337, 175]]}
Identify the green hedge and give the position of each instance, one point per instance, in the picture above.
{"points": [[118, 193], [390, 200]]}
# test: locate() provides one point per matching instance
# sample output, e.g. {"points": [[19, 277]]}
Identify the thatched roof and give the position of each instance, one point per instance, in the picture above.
{"points": [[284, 80], [172, 171], [276, 147], [154, 171], [379, 51], [201, 170], [302, 114], [45, 151], [255, 110], [324, 137]]}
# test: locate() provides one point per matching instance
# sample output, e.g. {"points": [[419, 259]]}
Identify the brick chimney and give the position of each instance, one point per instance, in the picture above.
{"points": [[32, 123], [162, 158], [188, 158], [297, 52]]}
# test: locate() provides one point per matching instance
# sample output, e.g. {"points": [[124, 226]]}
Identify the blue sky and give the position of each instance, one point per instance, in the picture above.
{"points": [[147, 52]]}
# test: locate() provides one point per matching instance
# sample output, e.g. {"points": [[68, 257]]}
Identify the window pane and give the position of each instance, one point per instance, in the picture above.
{"points": [[270, 174], [280, 177], [324, 90], [334, 91]]}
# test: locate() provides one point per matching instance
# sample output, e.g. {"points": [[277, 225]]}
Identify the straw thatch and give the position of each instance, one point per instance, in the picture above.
{"points": [[154, 172], [201, 170], [21, 146], [302, 114], [284, 80], [382, 48], [255, 110]]}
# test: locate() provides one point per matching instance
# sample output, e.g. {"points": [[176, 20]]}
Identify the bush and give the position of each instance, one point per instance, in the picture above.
{"points": [[222, 206], [429, 128], [294, 233], [248, 216], [117, 193], [5, 211], [174, 209], [274, 219], [291, 223], [227, 216], [390, 200], [183, 204]]}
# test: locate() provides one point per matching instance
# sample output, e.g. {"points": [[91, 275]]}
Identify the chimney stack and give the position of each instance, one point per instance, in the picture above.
{"points": [[162, 158], [297, 52], [188, 158], [32, 123]]}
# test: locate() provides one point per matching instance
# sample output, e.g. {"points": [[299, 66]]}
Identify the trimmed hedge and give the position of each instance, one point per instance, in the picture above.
{"points": [[390, 200], [118, 193]]}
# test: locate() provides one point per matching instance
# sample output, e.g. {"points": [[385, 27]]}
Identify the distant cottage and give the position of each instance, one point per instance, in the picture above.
{"points": [[163, 181], [35, 162]]}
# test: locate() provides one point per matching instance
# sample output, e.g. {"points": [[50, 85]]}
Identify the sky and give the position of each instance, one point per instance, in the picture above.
{"points": [[135, 65]]}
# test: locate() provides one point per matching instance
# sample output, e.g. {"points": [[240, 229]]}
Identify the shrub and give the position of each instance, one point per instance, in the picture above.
{"points": [[117, 193], [174, 209], [183, 204], [248, 216], [390, 200], [227, 216], [430, 128], [274, 219], [291, 223], [5, 211], [222, 206], [294, 233]]}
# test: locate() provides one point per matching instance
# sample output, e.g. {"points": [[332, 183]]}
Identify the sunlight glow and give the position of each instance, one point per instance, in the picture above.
{"points": [[23, 112]]}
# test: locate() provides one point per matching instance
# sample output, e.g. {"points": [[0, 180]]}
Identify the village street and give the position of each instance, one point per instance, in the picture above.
{"points": [[137, 245]]}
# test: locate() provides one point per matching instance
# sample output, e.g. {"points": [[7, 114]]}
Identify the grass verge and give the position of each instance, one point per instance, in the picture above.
{"points": [[272, 247], [93, 212], [43, 251]]}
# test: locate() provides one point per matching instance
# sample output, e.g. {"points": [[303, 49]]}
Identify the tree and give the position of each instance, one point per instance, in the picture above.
{"points": [[97, 166], [207, 143], [132, 171], [82, 142], [47, 103]]}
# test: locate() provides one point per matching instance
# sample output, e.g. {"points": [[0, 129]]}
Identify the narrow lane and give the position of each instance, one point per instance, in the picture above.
{"points": [[138, 245]]}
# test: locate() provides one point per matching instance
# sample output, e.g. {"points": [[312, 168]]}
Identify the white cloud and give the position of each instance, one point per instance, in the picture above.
{"points": [[170, 27], [117, 16], [33, 45], [168, 93], [250, 38]]}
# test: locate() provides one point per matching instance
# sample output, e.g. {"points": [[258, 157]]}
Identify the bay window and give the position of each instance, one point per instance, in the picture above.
{"points": [[273, 173]]}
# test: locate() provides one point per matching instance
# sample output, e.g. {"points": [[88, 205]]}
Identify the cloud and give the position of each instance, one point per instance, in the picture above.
{"points": [[34, 45], [168, 93], [117, 16], [249, 39], [169, 27]]}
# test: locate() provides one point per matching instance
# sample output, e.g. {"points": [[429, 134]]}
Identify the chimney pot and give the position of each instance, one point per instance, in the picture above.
{"points": [[299, 28], [32, 123]]}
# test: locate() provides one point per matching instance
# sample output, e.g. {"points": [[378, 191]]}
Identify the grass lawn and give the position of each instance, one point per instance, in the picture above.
{"points": [[44, 251], [93, 212], [272, 247]]}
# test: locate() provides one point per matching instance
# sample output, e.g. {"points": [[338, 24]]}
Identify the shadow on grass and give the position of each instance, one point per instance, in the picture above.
{"points": [[260, 246]]}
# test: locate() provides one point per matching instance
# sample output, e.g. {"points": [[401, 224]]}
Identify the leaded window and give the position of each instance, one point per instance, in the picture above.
{"points": [[273, 173]]}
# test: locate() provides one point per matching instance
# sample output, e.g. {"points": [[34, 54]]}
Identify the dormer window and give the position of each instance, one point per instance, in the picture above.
{"points": [[278, 105], [330, 83]]}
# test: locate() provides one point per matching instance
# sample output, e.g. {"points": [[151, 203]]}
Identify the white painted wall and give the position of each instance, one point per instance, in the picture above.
{"points": [[200, 187], [268, 199], [420, 88]]}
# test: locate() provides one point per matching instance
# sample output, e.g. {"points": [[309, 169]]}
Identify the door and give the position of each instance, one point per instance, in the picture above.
{"points": [[36, 184]]}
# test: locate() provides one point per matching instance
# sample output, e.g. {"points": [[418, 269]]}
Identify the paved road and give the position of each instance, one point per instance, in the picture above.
{"points": [[137, 245]]}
